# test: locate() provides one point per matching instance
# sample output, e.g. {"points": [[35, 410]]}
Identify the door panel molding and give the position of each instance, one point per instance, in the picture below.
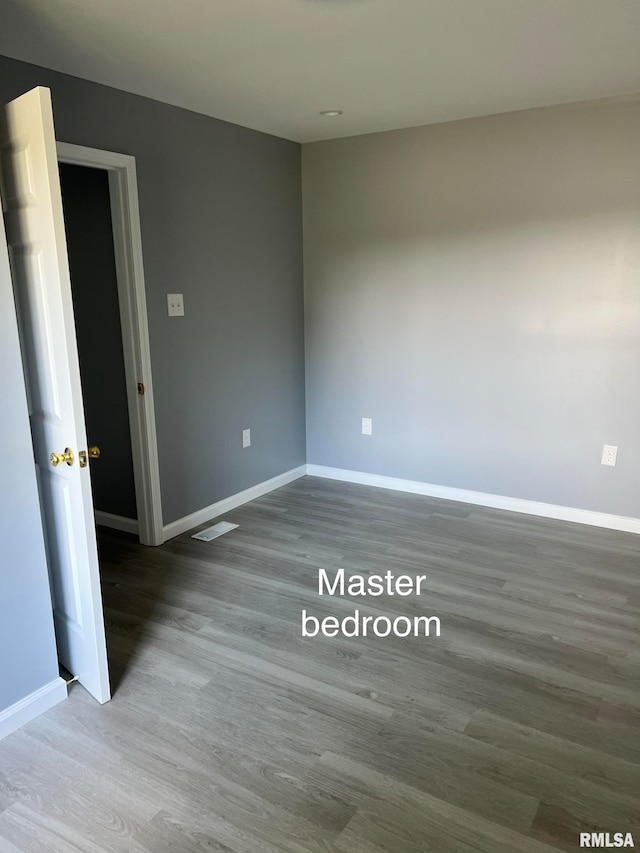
{"points": [[127, 241]]}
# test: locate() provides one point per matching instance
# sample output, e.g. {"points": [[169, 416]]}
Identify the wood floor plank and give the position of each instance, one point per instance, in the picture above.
{"points": [[592, 765], [514, 730], [395, 816]]}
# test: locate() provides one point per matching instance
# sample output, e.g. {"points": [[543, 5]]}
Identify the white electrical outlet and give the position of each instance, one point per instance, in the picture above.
{"points": [[246, 438], [367, 426], [609, 454], [175, 304]]}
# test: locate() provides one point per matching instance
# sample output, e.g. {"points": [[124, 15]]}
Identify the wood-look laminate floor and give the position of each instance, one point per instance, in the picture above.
{"points": [[515, 730]]}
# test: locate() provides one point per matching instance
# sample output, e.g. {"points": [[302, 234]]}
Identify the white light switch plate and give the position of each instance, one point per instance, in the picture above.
{"points": [[246, 438], [175, 304]]}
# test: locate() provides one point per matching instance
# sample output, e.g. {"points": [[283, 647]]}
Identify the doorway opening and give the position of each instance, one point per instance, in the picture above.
{"points": [[88, 226], [105, 254]]}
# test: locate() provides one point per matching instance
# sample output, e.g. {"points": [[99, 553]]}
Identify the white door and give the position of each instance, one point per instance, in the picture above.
{"points": [[32, 206]]}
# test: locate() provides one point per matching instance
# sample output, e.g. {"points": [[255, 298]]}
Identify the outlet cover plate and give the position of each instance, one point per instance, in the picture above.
{"points": [[175, 304], [609, 454]]}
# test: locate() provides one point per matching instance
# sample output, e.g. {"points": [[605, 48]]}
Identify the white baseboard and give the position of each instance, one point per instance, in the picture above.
{"points": [[116, 522], [175, 528], [32, 706], [560, 513]]}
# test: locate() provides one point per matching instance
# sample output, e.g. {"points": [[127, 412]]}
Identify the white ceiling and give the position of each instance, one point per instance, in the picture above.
{"points": [[274, 64]]}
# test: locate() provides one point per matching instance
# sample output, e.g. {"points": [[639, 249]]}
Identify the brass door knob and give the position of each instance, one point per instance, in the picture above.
{"points": [[58, 458]]}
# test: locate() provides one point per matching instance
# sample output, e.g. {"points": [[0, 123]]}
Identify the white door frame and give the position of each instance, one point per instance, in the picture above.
{"points": [[125, 217]]}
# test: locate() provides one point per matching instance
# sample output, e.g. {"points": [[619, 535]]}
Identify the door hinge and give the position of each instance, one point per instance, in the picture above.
{"points": [[141, 389]]}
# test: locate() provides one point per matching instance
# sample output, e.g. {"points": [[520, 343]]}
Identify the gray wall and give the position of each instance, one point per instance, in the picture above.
{"points": [[28, 657], [474, 287], [87, 218], [220, 211]]}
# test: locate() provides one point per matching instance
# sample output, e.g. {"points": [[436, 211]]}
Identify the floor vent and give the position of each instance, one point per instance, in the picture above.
{"points": [[213, 532]]}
